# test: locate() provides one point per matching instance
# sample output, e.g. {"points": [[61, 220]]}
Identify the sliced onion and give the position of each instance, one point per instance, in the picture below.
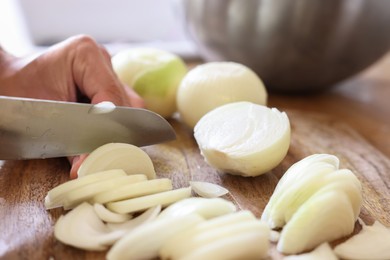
{"points": [[218, 242], [141, 203], [195, 242], [372, 242], [292, 189], [55, 197], [207, 189], [326, 216], [145, 217], [134, 190], [322, 252], [85, 193], [225, 220], [109, 216], [222, 221], [145, 242], [130, 158], [207, 208], [274, 236], [315, 201], [82, 228]]}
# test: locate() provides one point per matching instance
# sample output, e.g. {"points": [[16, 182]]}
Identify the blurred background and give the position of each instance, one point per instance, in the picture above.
{"points": [[295, 46], [28, 26]]}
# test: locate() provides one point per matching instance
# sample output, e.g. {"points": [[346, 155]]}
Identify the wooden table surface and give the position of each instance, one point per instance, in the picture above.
{"points": [[351, 121]]}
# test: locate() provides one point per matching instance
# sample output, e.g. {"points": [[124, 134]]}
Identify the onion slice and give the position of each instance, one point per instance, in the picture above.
{"points": [[133, 190], [85, 193], [199, 241], [247, 245], [82, 228], [274, 236], [315, 201], [243, 138], [130, 158], [141, 203], [321, 252], [372, 242], [297, 185], [207, 189], [207, 208], [55, 197], [222, 221], [145, 242], [109, 216], [213, 239], [147, 216]]}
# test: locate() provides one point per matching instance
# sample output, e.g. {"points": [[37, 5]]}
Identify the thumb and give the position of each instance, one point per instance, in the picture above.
{"points": [[76, 162]]}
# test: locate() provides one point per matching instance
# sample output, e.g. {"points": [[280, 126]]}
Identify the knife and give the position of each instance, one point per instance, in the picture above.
{"points": [[34, 128]]}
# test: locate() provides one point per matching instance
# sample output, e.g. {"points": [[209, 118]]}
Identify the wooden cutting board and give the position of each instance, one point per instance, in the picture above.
{"points": [[26, 228]]}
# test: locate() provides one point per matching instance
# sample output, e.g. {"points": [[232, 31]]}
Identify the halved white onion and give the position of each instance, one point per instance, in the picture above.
{"points": [[208, 189], [130, 158], [243, 138], [214, 84], [55, 196], [134, 190], [141, 203]]}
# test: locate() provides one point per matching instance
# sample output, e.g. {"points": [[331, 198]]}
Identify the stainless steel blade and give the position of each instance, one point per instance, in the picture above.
{"points": [[32, 128]]}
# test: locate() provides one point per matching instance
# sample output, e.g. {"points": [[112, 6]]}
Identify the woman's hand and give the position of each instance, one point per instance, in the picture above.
{"points": [[77, 69]]}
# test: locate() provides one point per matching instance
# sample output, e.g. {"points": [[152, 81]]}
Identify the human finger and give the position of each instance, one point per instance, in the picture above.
{"points": [[76, 162], [94, 75], [135, 99]]}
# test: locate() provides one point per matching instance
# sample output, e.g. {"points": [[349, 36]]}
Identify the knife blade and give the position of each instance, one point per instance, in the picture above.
{"points": [[34, 128]]}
